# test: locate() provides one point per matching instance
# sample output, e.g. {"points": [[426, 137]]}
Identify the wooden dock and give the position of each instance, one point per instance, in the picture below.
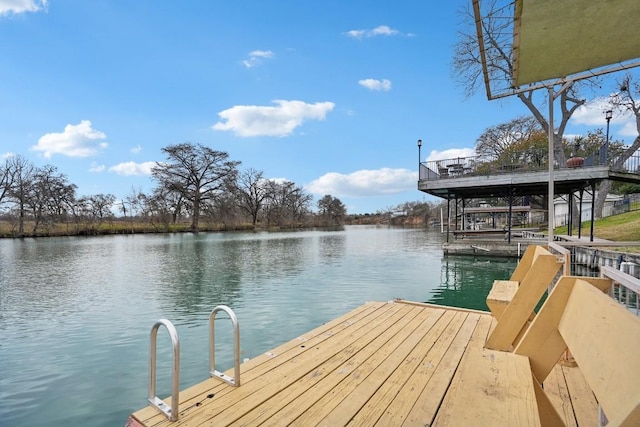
{"points": [[384, 363]]}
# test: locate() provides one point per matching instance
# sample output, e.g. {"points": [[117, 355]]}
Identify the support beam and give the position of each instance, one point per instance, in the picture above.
{"points": [[448, 217], [580, 209], [593, 207]]}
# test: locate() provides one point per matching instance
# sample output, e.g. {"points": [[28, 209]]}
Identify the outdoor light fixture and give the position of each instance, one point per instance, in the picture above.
{"points": [[607, 115], [419, 147]]}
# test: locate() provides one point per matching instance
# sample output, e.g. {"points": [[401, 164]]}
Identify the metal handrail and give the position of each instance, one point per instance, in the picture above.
{"points": [[534, 160], [630, 284], [170, 411], [235, 381]]}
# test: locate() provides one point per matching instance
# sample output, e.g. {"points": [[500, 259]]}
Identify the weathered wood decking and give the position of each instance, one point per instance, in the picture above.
{"points": [[394, 363]]}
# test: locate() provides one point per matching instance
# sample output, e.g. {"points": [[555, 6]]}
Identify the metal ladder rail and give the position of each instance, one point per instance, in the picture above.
{"points": [[235, 381], [170, 411]]}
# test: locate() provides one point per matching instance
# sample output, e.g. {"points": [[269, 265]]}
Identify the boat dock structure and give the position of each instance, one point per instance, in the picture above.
{"points": [[465, 179], [402, 363]]}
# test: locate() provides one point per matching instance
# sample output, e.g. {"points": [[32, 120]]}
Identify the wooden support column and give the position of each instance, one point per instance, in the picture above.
{"points": [[580, 210], [570, 214], [593, 206], [509, 221], [455, 221], [448, 215]]}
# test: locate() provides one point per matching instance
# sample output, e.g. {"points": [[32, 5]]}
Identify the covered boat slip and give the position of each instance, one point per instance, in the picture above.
{"points": [[393, 363]]}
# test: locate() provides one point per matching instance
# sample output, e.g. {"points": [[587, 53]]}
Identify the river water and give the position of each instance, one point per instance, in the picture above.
{"points": [[75, 312]]}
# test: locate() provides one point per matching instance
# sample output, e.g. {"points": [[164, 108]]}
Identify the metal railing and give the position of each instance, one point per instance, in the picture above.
{"points": [[534, 160], [625, 288]]}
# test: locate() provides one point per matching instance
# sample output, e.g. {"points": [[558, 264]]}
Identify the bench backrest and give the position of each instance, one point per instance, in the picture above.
{"points": [[604, 339], [525, 262], [536, 270]]}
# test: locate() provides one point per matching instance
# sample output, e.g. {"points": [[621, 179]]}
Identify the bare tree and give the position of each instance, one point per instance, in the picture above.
{"points": [[163, 207], [286, 203], [49, 196], [137, 202], [251, 191], [498, 139], [21, 172], [195, 172], [625, 100], [331, 210], [6, 179], [96, 208]]}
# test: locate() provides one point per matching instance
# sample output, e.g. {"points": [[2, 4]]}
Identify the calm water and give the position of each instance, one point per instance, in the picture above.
{"points": [[75, 313]]}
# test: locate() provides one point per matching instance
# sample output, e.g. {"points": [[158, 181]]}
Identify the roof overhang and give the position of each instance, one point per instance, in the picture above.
{"points": [[558, 42], [554, 39]]}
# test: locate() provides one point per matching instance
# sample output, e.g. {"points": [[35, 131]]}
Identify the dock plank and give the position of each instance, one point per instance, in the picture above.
{"points": [[319, 383], [583, 401], [363, 404], [306, 358], [556, 389], [335, 400], [393, 400], [421, 396]]}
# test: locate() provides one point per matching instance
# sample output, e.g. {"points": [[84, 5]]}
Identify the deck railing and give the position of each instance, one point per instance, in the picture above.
{"points": [[626, 285], [625, 289], [513, 162]]}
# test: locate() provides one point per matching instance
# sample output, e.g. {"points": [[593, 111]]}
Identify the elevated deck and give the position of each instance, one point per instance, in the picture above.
{"points": [[523, 182], [474, 177], [394, 363]]}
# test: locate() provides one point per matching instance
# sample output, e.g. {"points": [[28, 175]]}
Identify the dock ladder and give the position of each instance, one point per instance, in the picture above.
{"points": [[172, 411], [235, 381]]}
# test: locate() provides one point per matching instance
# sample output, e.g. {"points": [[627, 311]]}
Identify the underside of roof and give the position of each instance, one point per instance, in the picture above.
{"points": [[554, 39]]}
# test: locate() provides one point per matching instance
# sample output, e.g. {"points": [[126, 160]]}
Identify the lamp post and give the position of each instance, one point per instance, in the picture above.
{"points": [[607, 115], [419, 156]]}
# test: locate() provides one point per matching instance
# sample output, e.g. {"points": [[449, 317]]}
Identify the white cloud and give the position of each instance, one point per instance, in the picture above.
{"points": [[79, 140], [452, 153], [21, 6], [593, 114], [136, 149], [381, 30], [96, 168], [364, 182], [256, 57], [628, 128], [7, 155], [132, 168], [373, 84], [278, 180], [278, 120]]}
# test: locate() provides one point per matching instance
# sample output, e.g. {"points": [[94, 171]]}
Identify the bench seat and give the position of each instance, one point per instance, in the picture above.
{"points": [[491, 388]]}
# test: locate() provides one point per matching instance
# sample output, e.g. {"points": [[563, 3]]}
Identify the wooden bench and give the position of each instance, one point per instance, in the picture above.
{"points": [[501, 388], [512, 302], [604, 339]]}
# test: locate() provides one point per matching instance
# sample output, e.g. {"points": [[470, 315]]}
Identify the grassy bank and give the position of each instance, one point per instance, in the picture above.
{"points": [[620, 228]]}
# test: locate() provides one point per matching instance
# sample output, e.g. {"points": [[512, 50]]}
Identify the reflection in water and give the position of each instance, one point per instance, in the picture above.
{"points": [[332, 247], [75, 313], [466, 281]]}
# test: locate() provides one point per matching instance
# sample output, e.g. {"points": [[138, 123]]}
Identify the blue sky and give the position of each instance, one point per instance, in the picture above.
{"points": [[331, 95]]}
